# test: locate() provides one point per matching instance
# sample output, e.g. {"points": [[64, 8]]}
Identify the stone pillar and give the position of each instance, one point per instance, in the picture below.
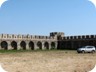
{"points": [[43, 48], [9, 47], [27, 46], [35, 46], [0, 45], [56, 45], [18, 45], [49, 45]]}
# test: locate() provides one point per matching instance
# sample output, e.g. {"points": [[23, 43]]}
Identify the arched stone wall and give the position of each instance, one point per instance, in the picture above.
{"points": [[26, 44]]}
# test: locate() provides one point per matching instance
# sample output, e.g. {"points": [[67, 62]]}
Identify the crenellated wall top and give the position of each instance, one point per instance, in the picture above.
{"points": [[79, 37], [27, 36]]}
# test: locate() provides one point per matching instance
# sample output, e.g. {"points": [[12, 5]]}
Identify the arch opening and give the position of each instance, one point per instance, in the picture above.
{"points": [[23, 45], [39, 44], [14, 45], [31, 45], [53, 45], [46, 45], [4, 45]]}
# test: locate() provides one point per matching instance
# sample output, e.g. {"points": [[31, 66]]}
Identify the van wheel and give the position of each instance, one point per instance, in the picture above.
{"points": [[83, 51], [93, 51]]}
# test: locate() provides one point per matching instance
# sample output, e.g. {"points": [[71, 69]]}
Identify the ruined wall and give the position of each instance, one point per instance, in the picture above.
{"points": [[56, 40], [73, 42], [27, 42]]}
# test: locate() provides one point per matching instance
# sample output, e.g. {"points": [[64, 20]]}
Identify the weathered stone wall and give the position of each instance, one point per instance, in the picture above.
{"points": [[27, 42], [56, 40], [74, 42]]}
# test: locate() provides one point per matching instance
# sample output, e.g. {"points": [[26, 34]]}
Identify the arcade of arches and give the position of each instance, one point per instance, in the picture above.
{"points": [[27, 45]]}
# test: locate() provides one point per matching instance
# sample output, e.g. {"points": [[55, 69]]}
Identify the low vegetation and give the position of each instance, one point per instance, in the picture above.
{"points": [[46, 61]]}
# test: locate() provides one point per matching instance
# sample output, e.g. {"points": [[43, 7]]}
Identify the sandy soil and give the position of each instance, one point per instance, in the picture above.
{"points": [[47, 61]]}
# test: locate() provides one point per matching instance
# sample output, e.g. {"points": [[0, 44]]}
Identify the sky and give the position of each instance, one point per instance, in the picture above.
{"points": [[40, 17]]}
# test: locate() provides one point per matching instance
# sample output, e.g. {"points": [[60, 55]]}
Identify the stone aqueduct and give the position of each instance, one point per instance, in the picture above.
{"points": [[56, 40], [27, 42]]}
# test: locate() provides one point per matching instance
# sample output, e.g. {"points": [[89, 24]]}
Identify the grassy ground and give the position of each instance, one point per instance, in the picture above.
{"points": [[47, 61]]}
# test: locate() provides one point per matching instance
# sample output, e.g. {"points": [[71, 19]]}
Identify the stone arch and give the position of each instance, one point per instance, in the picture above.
{"points": [[39, 45], [23, 45], [46, 45], [52, 45], [4, 45], [31, 45], [14, 45]]}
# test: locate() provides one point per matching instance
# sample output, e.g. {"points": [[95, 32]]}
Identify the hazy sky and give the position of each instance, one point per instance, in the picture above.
{"points": [[40, 17]]}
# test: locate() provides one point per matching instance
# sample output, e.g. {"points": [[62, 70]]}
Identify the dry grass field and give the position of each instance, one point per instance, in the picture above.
{"points": [[47, 61]]}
